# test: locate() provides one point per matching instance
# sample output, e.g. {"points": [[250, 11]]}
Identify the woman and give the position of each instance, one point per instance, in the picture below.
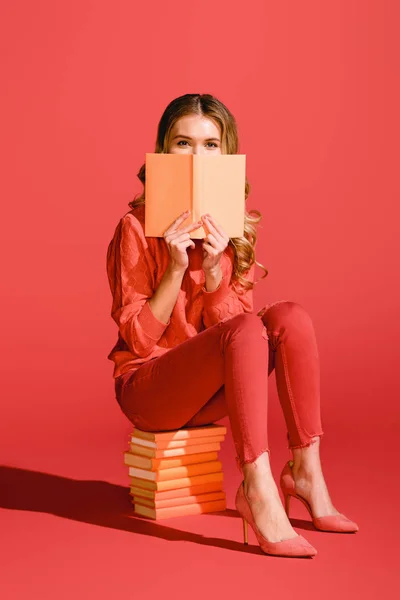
{"points": [[190, 350]]}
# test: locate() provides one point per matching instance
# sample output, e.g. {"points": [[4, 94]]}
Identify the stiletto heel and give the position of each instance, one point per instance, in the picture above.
{"points": [[287, 504], [245, 532], [334, 523], [296, 546]]}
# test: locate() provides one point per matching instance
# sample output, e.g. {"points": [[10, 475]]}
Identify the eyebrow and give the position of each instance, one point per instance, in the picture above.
{"points": [[189, 138]]}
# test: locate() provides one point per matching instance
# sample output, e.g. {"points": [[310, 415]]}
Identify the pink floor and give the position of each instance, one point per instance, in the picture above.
{"points": [[67, 529]]}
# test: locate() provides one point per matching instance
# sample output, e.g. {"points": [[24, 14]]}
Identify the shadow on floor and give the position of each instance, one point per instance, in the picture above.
{"points": [[99, 503]]}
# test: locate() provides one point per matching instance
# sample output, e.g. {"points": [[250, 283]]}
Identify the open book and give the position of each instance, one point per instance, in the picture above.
{"points": [[203, 183]]}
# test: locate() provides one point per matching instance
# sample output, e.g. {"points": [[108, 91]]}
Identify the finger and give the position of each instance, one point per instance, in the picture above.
{"points": [[173, 231], [185, 244], [210, 249], [206, 226], [182, 217], [174, 238], [212, 240], [182, 238], [214, 227], [211, 226], [184, 230], [174, 241], [192, 226], [219, 245]]}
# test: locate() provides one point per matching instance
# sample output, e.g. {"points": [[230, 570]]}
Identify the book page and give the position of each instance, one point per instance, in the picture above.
{"points": [[219, 189], [168, 191]]}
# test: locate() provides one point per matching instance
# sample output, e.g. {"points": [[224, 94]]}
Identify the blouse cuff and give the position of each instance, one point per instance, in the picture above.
{"points": [[217, 295], [149, 323]]}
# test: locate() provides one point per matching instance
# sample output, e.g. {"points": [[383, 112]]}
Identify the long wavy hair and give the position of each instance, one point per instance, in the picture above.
{"points": [[208, 106]]}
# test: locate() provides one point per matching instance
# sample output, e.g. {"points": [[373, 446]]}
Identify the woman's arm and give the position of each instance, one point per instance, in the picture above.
{"points": [[164, 298], [131, 272], [225, 302]]}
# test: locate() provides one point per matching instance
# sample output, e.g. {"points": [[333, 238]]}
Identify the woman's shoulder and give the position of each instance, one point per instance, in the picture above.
{"points": [[131, 231], [135, 215], [132, 222], [128, 232]]}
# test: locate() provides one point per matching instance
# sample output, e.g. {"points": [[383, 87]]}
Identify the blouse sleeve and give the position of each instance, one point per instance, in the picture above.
{"points": [[227, 301], [131, 272]]}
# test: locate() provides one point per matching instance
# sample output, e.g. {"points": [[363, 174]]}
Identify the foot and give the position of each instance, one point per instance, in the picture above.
{"points": [[311, 486], [309, 480], [265, 503]]}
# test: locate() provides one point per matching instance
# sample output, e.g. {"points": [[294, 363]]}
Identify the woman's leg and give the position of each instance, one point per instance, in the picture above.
{"points": [[294, 355], [222, 370]]}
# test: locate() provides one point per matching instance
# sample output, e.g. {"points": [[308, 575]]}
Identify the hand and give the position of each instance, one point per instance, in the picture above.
{"points": [[214, 243], [178, 240]]}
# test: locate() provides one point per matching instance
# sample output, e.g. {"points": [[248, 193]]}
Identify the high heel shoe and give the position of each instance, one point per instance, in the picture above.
{"points": [[333, 523], [296, 546]]}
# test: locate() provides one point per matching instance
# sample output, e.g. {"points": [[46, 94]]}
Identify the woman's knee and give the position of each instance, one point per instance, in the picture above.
{"points": [[284, 311], [283, 307], [248, 323]]}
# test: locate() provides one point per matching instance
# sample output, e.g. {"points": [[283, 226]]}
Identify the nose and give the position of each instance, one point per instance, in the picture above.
{"points": [[198, 149]]}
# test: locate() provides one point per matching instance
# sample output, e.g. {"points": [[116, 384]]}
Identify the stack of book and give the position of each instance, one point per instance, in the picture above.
{"points": [[176, 473]]}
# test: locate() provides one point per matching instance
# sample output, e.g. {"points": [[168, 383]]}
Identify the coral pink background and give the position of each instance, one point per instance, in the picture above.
{"points": [[314, 88]]}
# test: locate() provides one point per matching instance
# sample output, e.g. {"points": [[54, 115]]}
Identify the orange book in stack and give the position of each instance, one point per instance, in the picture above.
{"points": [[176, 473]]}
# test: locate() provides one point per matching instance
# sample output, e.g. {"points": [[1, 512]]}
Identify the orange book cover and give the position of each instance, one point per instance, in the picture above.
{"points": [[164, 445], [208, 497], [177, 472], [153, 453], [180, 511], [180, 434], [199, 182], [176, 483], [211, 486], [154, 464]]}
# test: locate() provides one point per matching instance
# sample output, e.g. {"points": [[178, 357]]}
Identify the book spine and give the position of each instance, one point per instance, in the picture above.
{"points": [[212, 486], [164, 445], [187, 471], [150, 452], [176, 483], [192, 209], [177, 472], [181, 434], [180, 501], [197, 188], [180, 511], [155, 464]]}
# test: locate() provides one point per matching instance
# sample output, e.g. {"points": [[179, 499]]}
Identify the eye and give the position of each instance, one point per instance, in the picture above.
{"points": [[214, 144], [182, 141]]}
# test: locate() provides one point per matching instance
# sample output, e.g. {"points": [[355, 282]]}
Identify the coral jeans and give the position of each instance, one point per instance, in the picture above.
{"points": [[223, 371]]}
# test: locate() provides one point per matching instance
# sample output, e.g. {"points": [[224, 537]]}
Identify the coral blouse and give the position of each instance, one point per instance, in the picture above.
{"points": [[135, 266]]}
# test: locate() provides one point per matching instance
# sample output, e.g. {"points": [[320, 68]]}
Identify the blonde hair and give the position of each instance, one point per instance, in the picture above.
{"points": [[209, 106]]}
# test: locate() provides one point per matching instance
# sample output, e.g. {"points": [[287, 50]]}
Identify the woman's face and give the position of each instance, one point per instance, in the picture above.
{"points": [[195, 134]]}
